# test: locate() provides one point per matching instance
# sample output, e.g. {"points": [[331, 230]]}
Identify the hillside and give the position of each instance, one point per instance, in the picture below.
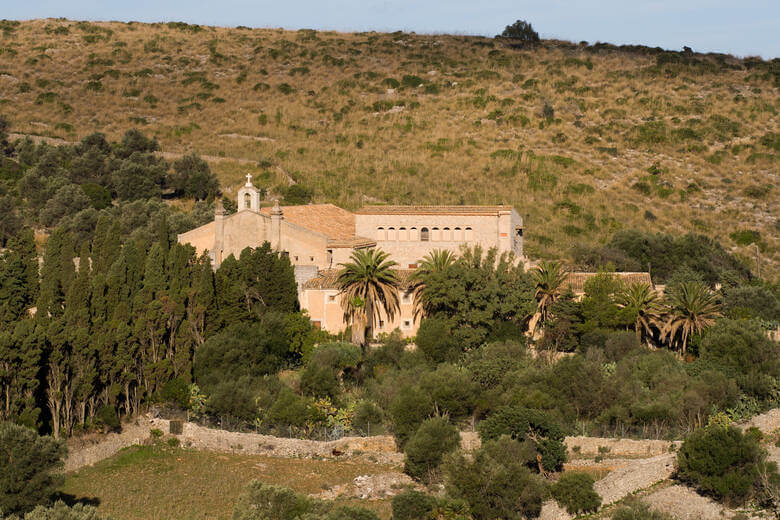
{"points": [[583, 139]]}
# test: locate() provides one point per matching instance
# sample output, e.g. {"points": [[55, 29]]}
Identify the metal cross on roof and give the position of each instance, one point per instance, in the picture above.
{"points": [[248, 179]]}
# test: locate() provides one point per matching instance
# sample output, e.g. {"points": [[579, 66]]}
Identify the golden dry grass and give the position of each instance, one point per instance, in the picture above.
{"points": [[156, 482], [473, 133]]}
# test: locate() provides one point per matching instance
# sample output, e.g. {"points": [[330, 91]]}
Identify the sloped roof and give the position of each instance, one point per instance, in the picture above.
{"points": [[576, 281], [328, 279], [354, 242], [433, 210], [329, 220]]}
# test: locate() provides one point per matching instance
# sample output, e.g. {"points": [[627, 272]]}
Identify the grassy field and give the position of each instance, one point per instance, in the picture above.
{"points": [[159, 482], [583, 140]]}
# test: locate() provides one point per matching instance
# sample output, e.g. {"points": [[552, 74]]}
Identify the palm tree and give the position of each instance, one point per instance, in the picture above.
{"points": [[692, 309], [548, 277], [642, 302], [437, 261], [368, 283]]}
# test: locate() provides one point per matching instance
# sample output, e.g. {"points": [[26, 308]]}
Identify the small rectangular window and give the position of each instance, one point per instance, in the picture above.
{"points": [[407, 323], [332, 298], [412, 266], [317, 324], [311, 259], [381, 324]]}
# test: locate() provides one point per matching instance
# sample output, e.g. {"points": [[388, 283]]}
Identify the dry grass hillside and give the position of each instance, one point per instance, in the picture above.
{"points": [[583, 140]]}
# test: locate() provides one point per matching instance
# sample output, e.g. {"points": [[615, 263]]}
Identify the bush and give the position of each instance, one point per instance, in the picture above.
{"points": [[426, 448], [28, 463], [534, 428], [407, 411], [412, 505], [575, 492], [435, 340], [320, 381], [61, 511], [638, 510], [288, 409], [368, 417], [297, 194], [522, 31], [451, 389], [176, 391], [108, 417], [724, 463], [495, 482], [267, 502]]}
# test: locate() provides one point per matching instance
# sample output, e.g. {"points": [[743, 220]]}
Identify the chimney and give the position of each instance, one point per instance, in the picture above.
{"points": [[276, 226]]}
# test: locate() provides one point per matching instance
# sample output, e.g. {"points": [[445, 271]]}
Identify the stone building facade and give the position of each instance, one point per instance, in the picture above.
{"points": [[319, 237]]}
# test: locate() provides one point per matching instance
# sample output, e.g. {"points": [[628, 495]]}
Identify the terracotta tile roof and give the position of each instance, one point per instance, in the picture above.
{"points": [[576, 281], [328, 278], [433, 210], [333, 222]]}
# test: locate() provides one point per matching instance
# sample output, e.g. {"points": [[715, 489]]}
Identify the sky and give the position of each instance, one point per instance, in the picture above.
{"points": [[742, 28]]}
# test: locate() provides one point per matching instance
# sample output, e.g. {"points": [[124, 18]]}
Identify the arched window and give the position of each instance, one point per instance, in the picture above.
{"points": [[380, 233], [402, 234], [248, 200], [391, 233], [413, 234], [458, 235], [446, 234], [424, 234], [469, 235], [435, 234]]}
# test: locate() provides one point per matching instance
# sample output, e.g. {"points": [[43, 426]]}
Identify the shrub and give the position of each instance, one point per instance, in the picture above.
{"points": [[28, 463], [320, 381], [411, 81], [408, 410], [267, 502], [297, 194], [575, 492], [722, 462], [495, 482], [108, 417], [176, 391], [61, 511], [532, 427], [288, 409], [522, 31], [436, 341], [367, 416], [426, 448], [412, 505], [451, 390], [635, 509]]}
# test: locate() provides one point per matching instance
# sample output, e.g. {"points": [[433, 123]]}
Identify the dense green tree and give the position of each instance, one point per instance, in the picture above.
{"points": [[30, 463], [410, 407], [437, 261], [535, 429], [193, 178], [481, 293]]}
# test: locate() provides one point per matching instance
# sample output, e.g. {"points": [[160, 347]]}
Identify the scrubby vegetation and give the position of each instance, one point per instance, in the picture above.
{"points": [[560, 130]]}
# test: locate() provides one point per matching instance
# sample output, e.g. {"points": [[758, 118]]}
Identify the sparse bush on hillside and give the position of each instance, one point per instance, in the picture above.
{"points": [[574, 491], [521, 31], [725, 463]]}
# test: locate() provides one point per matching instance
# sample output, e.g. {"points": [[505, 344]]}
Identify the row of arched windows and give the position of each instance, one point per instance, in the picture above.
{"points": [[424, 234]]}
